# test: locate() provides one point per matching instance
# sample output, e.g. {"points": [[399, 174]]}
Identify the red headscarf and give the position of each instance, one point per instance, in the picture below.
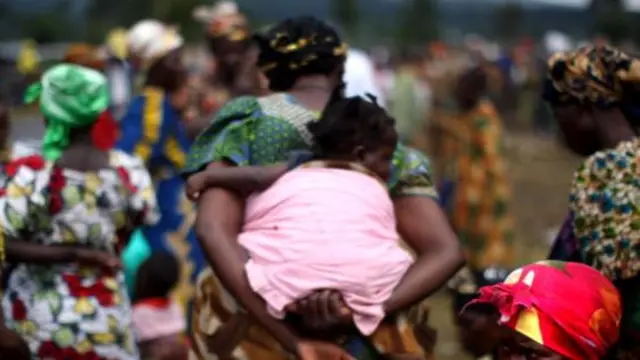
{"points": [[569, 308], [105, 131]]}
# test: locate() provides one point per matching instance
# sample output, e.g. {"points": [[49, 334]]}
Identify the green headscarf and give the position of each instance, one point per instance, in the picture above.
{"points": [[70, 96]]}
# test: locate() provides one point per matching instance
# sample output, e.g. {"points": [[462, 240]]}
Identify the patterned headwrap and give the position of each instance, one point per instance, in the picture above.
{"points": [[539, 301], [298, 43], [223, 20], [142, 34], [166, 43], [70, 96], [597, 74]]}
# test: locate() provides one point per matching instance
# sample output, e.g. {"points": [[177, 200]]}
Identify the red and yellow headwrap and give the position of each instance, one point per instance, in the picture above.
{"points": [[570, 308]]}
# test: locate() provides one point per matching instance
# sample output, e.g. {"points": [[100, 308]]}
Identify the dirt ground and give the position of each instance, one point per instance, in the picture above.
{"points": [[540, 171]]}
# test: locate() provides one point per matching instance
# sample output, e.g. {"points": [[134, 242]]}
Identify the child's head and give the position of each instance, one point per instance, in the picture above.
{"points": [[477, 324], [157, 276], [355, 129]]}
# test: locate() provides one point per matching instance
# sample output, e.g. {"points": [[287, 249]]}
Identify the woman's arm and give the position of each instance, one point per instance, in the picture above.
{"points": [[12, 346], [424, 227], [217, 235], [24, 252], [245, 179]]}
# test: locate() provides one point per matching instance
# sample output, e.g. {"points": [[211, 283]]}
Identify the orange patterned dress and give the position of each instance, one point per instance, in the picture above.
{"points": [[478, 203]]}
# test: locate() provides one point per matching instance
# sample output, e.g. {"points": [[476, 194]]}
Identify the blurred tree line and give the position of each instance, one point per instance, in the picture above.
{"points": [[407, 23], [65, 20]]}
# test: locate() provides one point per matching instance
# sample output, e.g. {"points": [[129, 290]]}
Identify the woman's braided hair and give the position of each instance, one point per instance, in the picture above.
{"points": [[347, 123], [296, 47]]}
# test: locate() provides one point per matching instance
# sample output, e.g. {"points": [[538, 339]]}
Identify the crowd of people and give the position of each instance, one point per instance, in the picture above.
{"points": [[281, 204]]}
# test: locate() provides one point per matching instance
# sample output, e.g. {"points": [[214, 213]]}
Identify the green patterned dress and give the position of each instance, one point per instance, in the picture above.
{"points": [[262, 131]]}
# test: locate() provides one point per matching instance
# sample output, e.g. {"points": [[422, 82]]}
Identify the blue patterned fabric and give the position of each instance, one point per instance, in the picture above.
{"points": [[153, 131]]}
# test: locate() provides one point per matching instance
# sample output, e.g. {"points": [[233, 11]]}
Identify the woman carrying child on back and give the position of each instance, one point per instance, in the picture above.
{"points": [[328, 223], [303, 59]]}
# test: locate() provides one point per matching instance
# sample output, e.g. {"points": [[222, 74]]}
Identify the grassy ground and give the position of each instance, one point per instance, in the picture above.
{"points": [[541, 173]]}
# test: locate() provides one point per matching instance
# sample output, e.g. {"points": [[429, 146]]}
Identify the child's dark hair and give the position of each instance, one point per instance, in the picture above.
{"points": [[157, 276], [347, 123]]}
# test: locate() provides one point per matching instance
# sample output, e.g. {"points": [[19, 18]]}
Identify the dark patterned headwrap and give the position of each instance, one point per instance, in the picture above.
{"points": [[299, 46], [598, 75]]}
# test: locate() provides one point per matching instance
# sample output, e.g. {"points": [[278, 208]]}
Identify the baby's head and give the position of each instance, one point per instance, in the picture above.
{"points": [[357, 130], [157, 276]]}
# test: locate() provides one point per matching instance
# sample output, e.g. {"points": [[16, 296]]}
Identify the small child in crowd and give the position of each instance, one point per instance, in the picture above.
{"points": [[328, 223], [158, 321], [477, 326]]}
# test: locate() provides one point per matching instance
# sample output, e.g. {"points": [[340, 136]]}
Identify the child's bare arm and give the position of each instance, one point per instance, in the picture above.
{"points": [[244, 179]]}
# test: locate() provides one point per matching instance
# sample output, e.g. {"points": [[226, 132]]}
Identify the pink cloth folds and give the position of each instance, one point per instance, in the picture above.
{"points": [[153, 321], [319, 228]]}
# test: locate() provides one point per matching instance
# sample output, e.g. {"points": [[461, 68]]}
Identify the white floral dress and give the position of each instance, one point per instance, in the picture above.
{"points": [[70, 311]]}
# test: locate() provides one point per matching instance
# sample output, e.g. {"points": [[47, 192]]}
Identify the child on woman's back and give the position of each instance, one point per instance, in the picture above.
{"points": [[328, 223]]}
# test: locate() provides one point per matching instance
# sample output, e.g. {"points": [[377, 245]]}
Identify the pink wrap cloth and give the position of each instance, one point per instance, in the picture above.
{"points": [[157, 318], [323, 228]]}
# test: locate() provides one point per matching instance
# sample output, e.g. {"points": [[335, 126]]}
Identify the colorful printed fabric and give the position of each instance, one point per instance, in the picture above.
{"points": [[595, 74], [251, 342], [604, 200], [70, 310], [533, 301], [479, 191], [153, 131], [267, 130], [70, 96]]}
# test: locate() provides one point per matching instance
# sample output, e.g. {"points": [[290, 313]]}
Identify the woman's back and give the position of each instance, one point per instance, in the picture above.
{"points": [[68, 207]]}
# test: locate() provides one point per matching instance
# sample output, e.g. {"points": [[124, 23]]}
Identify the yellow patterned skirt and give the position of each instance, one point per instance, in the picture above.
{"points": [[222, 330]]}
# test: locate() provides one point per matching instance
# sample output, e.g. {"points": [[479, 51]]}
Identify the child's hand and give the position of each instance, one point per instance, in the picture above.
{"points": [[195, 184], [322, 310]]}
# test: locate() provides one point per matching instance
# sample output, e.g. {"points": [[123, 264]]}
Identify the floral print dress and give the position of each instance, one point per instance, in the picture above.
{"points": [[70, 311]]}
